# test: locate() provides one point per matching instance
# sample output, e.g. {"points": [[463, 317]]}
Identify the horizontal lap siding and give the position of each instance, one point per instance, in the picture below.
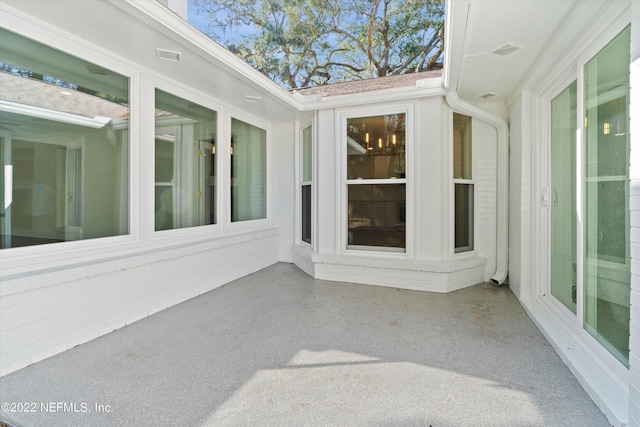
{"points": [[39, 323]]}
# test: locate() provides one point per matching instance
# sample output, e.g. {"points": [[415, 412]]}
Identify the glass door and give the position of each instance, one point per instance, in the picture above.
{"points": [[563, 197], [607, 272]]}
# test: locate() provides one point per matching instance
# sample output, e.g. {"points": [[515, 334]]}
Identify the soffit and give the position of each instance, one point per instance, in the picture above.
{"points": [[488, 25], [135, 30]]}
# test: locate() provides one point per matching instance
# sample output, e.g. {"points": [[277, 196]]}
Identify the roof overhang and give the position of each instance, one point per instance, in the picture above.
{"points": [[491, 46]]}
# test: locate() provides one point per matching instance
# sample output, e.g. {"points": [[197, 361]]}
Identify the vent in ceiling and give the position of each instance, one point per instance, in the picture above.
{"points": [[252, 98], [506, 49], [169, 55], [487, 95]]}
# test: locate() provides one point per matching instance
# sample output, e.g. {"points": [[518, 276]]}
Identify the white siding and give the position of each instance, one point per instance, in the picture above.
{"points": [[283, 186], [38, 323]]}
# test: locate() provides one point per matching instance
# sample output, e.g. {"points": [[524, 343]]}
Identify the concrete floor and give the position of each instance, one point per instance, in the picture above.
{"points": [[278, 348]]}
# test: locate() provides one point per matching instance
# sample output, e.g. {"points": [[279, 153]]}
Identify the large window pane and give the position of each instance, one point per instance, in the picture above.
{"points": [[607, 266], [563, 197], [377, 215], [185, 163], [64, 136], [248, 172], [376, 147]]}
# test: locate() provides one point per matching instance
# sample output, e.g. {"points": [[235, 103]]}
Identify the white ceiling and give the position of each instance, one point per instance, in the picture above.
{"points": [[487, 25]]}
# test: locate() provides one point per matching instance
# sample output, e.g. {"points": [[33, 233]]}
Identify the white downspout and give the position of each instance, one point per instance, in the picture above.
{"points": [[502, 219], [452, 68]]}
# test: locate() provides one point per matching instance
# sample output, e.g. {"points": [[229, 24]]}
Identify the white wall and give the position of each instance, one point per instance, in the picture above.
{"points": [[283, 186], [515, 197], [39, 321], [520, 216], [485, 148]]}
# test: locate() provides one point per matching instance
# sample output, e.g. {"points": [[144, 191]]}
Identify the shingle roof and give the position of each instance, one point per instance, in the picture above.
{"points": [[368, 85], [32, 92]]}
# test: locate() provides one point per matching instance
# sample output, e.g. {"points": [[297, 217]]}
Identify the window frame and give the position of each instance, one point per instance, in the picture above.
{"points": [[17, 260], [306, 183], [185, 93], [188, 97], [463, 250], [342, 183], [541, 196], [225, 169]]}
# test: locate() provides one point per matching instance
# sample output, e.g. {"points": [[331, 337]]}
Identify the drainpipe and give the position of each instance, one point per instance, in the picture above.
{"points": [[455, 34], [502, 219]]}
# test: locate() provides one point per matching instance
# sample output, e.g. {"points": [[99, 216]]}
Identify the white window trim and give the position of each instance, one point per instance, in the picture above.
{"points": [[452, 187], [300, 182], [225, 158], [148, 220], [342, 183], [20, 260]]}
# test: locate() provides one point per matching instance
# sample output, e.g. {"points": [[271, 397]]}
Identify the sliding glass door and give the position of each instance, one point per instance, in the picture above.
{"points": [[607, 260], [590, 213], [563, 198]]}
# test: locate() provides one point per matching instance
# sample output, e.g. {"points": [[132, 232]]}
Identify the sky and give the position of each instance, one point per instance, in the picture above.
{"points": [[197, 20]]}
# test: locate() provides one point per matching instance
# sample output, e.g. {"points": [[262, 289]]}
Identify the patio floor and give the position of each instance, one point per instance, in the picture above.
{"points": [[278, 348]]}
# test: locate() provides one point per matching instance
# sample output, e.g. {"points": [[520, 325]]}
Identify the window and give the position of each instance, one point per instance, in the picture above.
{"points": [[462, 183], [376, 182], [185, 163], [306, 185], [563, 197], [607, 272], [248, 172], [64, 144]]}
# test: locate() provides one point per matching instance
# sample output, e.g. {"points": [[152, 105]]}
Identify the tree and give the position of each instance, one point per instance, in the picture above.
{"points": [[302, 43]]}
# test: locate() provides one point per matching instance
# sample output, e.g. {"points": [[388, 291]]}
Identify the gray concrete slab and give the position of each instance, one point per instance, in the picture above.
{"points": [[278, 348]]}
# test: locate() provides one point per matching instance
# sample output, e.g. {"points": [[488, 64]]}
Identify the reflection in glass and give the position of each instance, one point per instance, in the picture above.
{"points": [[248, 172], [607, 266], [463, 184], [306, 154], [185, 163], [461, 146], [376, 147], [463, 217], [377, 215], [306, 213], [64, 139]]}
